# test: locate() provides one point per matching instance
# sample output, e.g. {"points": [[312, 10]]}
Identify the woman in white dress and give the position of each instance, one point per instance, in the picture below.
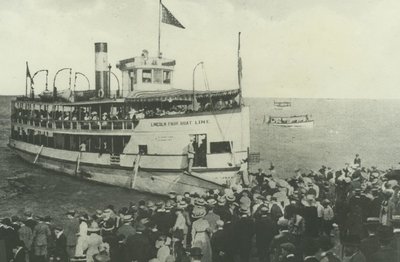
{"points": [[94, 242], [81, 244], [201, 233]]}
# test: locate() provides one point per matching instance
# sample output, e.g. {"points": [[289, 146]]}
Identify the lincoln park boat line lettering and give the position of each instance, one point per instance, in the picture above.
{"points": [[147, 135]]}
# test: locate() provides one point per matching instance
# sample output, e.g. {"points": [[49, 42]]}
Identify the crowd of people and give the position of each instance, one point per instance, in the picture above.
{"points": [[351, 214]]}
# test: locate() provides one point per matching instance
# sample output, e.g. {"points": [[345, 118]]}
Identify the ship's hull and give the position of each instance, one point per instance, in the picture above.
{"points": [[306, 124], [152, 180]]}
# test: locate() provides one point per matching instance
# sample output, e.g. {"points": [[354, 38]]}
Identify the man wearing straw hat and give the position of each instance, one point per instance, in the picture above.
{"points": [[126, 229]]}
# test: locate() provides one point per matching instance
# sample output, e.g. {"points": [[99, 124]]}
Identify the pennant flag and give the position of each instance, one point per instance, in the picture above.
{"points": [[169, 18], [28, 73]]}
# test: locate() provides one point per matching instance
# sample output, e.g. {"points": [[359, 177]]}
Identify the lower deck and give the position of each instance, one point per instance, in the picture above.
{"points": [[147, 173]]}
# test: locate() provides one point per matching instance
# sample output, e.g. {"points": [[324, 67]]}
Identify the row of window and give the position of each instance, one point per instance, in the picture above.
{"points": [[103, 144], [100, 144], [157, 76]]}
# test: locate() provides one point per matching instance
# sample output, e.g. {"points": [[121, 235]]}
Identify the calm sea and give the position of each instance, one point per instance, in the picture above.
{"points": [[342, 129]]}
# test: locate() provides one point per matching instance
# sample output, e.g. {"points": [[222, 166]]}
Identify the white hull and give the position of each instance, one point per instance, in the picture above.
{"points": [[156, 181], [308, 124]]}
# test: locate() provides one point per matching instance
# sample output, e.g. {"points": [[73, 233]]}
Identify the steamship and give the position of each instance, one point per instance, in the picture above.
{"points": [[139, 136]]}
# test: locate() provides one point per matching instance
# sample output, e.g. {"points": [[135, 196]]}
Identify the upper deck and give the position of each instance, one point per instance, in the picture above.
{"points": [[110, 116]]}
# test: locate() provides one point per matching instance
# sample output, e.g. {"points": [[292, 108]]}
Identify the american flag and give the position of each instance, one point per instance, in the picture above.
{"points": [[169, 18]]}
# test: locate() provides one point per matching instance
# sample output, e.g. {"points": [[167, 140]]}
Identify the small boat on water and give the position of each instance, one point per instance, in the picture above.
{"points": [[282, 104], [305, 121]]}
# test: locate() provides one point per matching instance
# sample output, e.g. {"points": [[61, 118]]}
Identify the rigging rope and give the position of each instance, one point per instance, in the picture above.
{"points": [[206, 84]]}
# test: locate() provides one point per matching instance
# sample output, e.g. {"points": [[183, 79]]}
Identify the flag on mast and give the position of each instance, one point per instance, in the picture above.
{"points": [[168, 18], [28, 73]]}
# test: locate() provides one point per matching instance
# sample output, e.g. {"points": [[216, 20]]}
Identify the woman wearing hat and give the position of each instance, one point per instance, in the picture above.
{"points": [[180, 228], [200, 233], [81, 244], [94, 242]]}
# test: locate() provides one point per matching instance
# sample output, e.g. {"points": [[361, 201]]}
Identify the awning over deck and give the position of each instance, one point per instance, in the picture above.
{"points": [[178, 95]]}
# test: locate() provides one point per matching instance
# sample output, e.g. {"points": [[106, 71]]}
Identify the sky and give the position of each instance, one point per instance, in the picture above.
{"points": [[302, 48]]}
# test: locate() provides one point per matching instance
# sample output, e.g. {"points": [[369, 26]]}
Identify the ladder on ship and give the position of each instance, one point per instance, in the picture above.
{"points": [[115, 159]]}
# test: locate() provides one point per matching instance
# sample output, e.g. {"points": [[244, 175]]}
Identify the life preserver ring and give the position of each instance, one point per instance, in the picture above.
{"points": [[100, 93]]}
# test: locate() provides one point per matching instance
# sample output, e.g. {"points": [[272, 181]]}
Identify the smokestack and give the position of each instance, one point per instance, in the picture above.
{"points": [[101, 63]]}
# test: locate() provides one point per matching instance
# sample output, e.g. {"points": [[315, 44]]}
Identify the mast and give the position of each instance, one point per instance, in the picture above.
{"points": [[26, 81], [239, 72], [159, 28]]}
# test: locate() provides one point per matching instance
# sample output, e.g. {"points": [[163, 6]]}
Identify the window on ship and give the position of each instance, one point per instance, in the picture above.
{"points": [[133, 78], [167, 77], [146, 76], [158, 75], [143, 149], [220, 147], [200, 149]]}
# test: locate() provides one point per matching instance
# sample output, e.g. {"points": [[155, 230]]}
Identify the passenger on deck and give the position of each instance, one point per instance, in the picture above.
{"points": [[190, 155], [82, 147]]}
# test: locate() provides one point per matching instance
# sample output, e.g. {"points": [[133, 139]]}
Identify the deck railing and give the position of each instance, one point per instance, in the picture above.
{"points": [[78, 125]]}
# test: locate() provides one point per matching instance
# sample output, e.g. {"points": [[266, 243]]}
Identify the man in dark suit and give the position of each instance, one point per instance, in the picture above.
{"points": [[352, 251], [244, 232], [218, 243], [386, 253], [60, 249], [396, 232], [9, 235], [265, 231], [222, 210], [288, 252], [370, 244], [19, 252], [29, 220], [71, 229], [138, 245]]}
